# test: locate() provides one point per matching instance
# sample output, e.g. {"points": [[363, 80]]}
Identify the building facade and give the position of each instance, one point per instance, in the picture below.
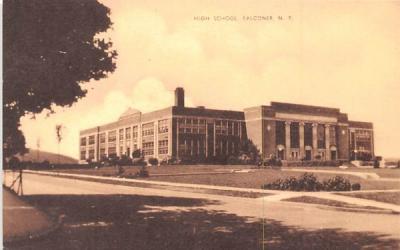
{"points": [[288, 131], [303, 132], [174, 132]]}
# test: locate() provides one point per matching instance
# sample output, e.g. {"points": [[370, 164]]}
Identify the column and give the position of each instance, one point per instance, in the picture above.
{"points": [[287, 140], [301, 135], [314, 139], [327, 143]]}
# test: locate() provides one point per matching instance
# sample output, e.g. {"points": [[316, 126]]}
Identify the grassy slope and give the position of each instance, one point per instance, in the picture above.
{"points": [[33, 155]]}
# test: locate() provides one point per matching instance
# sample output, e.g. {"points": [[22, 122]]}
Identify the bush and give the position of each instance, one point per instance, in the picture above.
{"points": [[337, 183], [153, 161], [356, 186], [309, 182]]}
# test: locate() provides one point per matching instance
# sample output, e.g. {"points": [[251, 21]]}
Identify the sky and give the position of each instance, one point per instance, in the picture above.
{"points": [[341, 54]]}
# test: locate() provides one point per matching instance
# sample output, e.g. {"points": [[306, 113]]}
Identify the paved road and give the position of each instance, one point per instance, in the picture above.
{"points": [[294, 215]]}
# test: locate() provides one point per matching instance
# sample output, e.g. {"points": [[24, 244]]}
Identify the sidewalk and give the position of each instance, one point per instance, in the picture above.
{"points": [[21, 221]]}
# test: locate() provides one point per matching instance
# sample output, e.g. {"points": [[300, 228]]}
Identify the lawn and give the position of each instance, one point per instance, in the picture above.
{"points": [[382, 172], [221, 175], [388, 197]]}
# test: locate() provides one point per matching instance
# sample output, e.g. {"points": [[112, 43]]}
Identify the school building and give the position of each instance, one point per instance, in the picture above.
{"points": [[288, 131]]}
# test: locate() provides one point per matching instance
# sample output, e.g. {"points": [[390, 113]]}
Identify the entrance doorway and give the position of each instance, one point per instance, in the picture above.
{"points": [[281, 154], [333, 155], [308, 155]]}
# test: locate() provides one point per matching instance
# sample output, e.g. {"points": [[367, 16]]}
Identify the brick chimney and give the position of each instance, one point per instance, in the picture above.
{"points": [[179, 97]]}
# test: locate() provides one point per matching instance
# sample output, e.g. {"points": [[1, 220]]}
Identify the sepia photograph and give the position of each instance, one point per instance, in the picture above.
{"points": [[215, 124]]}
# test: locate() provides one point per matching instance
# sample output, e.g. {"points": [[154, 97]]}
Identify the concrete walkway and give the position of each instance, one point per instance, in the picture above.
{"points": [[21, 221], [277, 195]]}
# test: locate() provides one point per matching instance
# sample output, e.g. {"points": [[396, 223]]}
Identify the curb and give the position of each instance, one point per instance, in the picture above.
{"points": [[57, 223]]}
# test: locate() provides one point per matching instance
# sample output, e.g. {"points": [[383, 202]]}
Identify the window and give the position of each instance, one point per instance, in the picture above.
{"points": [[121, 134], [128, 133], [112, 150], [163, 126], [321, 136], [294, 135], [148, 129], [135, 132], [308, 137], [102, 138], [163, 147], [102, 152], [83, 155], [148, 148], [112, 136], [91, 153], [332, 135], [91, 140], [280, 133], [83, 141], [230, 129]]}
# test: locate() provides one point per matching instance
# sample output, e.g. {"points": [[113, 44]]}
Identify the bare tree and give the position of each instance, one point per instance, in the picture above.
{"points": [[59, 131]]}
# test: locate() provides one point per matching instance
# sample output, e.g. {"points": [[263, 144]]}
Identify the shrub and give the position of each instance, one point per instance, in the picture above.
{"points": [[356, 186], [337, 183], [309, 182], [138, 162], [153, 161]]}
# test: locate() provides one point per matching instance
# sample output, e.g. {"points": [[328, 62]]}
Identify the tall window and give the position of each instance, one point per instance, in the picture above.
{"points": [[332, 135], [121, 134], [294, 135], [308, 137], [135, 132], [112, 136], [280, 133], [102, 138], [128, 133], [321, 136]]}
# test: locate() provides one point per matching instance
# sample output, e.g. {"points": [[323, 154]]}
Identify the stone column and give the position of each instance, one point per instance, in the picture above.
{"points": [[301, 135], [287, 140], [314, 139], [327, 143]]}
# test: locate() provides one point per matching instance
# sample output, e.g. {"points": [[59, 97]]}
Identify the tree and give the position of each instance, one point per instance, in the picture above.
{"points": [[248, 148], [51, 47], [59, 135]]}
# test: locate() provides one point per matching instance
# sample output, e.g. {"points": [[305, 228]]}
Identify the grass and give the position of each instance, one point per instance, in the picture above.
{"points": [[382, 172], [388, 197], [326, 202], [207, 174]]}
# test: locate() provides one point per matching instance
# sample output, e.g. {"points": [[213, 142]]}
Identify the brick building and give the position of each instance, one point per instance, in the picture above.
{"points": [[295, 132], [289, 131]]}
